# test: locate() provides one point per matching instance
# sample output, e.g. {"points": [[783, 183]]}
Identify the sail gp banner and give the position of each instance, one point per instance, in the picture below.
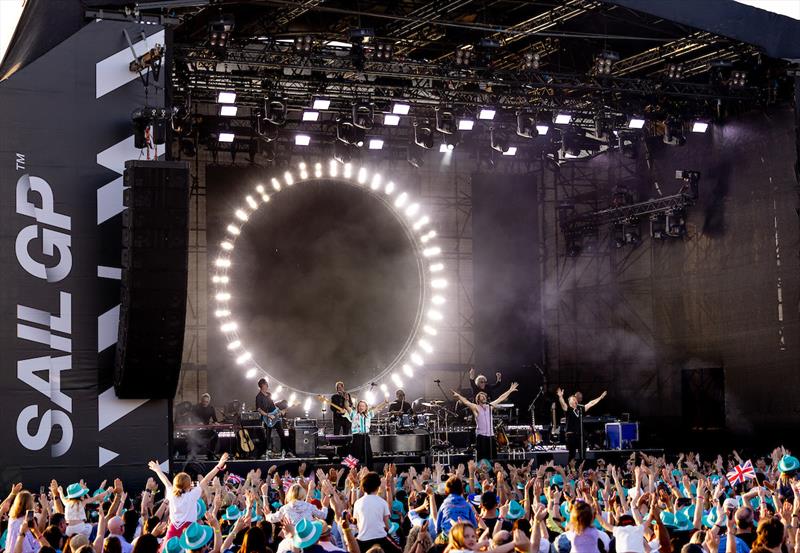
{"points": [[65, 134]]}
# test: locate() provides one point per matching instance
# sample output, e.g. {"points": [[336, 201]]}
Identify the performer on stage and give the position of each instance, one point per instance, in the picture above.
{"points": [[270, 416], [482, 411], [204, 412], [400, 406], [574, 415], [342, 400], [361, 420], [480, 384]]}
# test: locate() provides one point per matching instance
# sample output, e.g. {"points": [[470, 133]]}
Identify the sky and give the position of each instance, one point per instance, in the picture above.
{"points": [[10, 10], [789, 8]]}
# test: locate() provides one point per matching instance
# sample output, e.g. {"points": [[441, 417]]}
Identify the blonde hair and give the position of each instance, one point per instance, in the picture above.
{"points": [[181, 484], [581, 516], [457, 540], [295, 492], [23, 502]]}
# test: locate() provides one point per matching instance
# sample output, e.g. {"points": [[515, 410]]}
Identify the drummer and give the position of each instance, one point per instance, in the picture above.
{"points": [[400, 406]]}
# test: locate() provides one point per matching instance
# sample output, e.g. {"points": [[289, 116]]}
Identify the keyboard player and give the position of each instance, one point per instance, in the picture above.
{"points": [[204, 413]]}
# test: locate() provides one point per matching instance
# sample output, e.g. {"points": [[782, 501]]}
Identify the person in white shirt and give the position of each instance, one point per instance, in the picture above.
{"points": [[372, 516], [183, 496], [297, 508]]}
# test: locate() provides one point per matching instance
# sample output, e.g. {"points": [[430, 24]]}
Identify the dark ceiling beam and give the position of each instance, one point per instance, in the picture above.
{"points": [[778, 36]]}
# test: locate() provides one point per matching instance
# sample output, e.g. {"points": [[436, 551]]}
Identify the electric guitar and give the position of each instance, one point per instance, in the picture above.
{"points": [[273, 417], [325, 400]]}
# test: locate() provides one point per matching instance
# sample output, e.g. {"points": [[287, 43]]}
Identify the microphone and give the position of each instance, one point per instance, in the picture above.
{"points": [[437, 381], [372, 384]]}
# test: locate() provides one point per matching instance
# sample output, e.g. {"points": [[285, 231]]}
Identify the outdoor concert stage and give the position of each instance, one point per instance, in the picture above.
{"points": [[557, 454]]}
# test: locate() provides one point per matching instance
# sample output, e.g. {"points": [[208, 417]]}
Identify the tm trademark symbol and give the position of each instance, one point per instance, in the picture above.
{"points": [[20, 162]]}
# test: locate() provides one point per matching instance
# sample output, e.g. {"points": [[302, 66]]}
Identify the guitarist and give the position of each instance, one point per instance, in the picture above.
{"points": [[482, 411], [341, 399], [270, 413]]}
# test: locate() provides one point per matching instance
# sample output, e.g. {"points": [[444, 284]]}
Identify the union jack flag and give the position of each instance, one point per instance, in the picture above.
{"points": [[234, 479], [287, 483], [740, 473], [350, 462]]}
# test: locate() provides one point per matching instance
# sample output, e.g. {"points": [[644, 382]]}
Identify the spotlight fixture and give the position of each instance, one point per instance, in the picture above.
{"points": [[445, 121], [526, 124], [451, 141], [275, 111], [309, 115], [512, 151], [226, 137], [226, 97], [444, 148], [320, 103], [303, 44], [563, 119], [675, 71], [699, 126], [348, 133], [363, 116], [487, 114], [228, 110], [383, 52], [391, 120], [499, 140], [342, 152], [466, 124], [219, 31], [603, 62], [635, 123], [302, 140], [401, 108], [423, 135], [531, 60], [375, 143], [738, 79], [673, 132], [463, 57]]}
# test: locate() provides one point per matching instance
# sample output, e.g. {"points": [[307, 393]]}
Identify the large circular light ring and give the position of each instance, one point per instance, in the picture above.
{"points": [[417, 226]]}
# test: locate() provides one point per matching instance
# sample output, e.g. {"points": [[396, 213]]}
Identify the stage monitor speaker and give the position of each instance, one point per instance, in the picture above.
{"points": [[305, 442], [155, 236]]}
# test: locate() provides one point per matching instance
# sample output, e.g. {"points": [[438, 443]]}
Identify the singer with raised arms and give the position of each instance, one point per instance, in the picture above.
{"points": [[482, 411]]}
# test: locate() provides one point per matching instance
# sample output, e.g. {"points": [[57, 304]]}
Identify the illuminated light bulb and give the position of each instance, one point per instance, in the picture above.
{"points": [[243, 358], [386, 394], [279, 390], [408, 371], [265, 198], [439, 283], [223, 279], [230, 326], [241, 215], [303, 175], [251, 202], [292, 397], [333, 168], [435, 315], [233, 229], [425, 345], [276, 184], [438, 300], [222, 296], [226, 246], [416, 358], [424, 220], [412, 210], [348, 170], [437, 267], [222, 313], [430, 330], [222, 262], [260, 188], [389, 187], [432, 251], [302, 165], [234, 345], [430, 235], [307, 405], [318, 170], [401, 200], [288, 178], [396, 380], [251, 373], [370, 396], [376, 181], [362, 176], [384, 388]]}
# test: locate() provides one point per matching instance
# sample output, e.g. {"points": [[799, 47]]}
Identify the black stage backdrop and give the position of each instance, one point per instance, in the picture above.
{"points": [[710, 320], [65, 133], [507, 279]]}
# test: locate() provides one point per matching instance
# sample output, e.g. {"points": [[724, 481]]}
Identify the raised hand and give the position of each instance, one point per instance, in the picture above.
{"points": [[560, 392]]}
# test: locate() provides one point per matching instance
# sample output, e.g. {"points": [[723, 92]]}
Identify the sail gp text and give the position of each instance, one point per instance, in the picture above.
{"points": [[43, 250]]}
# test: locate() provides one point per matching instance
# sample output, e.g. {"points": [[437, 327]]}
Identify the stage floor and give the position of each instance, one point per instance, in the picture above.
{"points": [[557, 454]]}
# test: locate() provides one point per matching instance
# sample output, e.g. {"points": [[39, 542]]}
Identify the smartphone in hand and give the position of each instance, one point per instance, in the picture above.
{"points": [[30, 518]]}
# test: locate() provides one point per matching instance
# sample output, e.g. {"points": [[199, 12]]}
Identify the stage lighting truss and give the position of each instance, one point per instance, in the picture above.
{"points": [[418, 228]]}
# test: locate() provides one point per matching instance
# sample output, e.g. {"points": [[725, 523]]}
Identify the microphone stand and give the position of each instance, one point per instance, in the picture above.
{"points": [[446, 413]]}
